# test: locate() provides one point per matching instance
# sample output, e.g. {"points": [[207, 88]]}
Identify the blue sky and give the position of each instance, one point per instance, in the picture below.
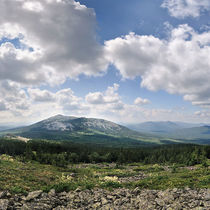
{"points": [[144, 17], [80, 58]]}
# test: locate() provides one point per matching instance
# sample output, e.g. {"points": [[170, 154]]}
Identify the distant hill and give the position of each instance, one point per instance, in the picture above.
{"points": [[201, 133], [161, 127], [2, 128], [186, 132]]}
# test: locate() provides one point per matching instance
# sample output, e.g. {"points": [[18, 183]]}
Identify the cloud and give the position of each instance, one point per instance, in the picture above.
{"points": [[95, 98], [141, 101], [2, 106], [48, 41], [133, 54], [179, 64], [64, 98], [44, 103], [203, 114], [13, 97], [38, 95], [68, 101], [186, 8], [54, 40], [109, 97], [18, 104]]}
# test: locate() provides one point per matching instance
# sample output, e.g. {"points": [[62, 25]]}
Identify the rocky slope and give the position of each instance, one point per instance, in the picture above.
{"points": [[104, 199], [83, 130], [70, 124]]}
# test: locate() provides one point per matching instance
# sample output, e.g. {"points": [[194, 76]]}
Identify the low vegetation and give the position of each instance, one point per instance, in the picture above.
{"points": [[35, 165], [22, 177]]}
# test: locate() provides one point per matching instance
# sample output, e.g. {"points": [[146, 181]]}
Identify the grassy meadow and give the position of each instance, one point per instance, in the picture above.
{"points": [[18, 176]]}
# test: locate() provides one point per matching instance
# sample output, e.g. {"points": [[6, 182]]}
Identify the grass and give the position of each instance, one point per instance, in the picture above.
{"points": [[196, 179], [19, 177]]}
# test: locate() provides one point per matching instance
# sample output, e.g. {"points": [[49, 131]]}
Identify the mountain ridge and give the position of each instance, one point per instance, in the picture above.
{"points": [[162, 126], [187, 132], [71, 123], [84, 130], [93, 130]]}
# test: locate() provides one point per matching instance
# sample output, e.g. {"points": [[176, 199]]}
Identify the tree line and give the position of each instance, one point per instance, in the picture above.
{"points": [[61, 153]]}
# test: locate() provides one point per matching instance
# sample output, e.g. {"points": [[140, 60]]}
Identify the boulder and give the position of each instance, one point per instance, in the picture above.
{"points": [[3, 194], [4, 204], [33, 195], [51, 193]]}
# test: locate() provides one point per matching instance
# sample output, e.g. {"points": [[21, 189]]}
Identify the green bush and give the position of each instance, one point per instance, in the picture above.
{"points": [[61, 187], [18, 190], [111, 184]]}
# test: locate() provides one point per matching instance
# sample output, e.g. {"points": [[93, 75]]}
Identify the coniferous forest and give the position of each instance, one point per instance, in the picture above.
{"points": [[63, 153]]}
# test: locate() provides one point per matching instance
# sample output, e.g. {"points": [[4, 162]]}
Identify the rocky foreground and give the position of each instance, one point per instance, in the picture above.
{"points": [[104, 199]]}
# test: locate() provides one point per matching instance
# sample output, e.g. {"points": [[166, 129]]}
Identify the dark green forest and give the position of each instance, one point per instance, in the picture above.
{"points": [[63, 152]]}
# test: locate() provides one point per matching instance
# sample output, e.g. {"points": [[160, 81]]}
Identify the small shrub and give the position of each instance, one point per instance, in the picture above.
{"points": [[205, 164], [174, 169], [17, 190], [89, 185], [61, 187], [119, 166], [111, 184]]}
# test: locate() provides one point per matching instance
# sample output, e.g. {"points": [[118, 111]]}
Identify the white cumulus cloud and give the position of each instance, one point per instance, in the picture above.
{"points": [[141, 101], [13, 97], [110, 96], [186, 8], [178, 65], [57, 40]]}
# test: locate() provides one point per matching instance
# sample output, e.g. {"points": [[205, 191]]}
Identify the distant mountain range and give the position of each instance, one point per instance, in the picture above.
{"points": [[176, 130], [161, 127], [2, 128], [100, 131]]}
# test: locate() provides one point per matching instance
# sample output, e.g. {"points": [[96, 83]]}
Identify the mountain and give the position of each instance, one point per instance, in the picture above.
{"points": [[199, 134], [103, 132], [161, 127], [84, 130], [2, 127], [60, 123], [185, 132]]}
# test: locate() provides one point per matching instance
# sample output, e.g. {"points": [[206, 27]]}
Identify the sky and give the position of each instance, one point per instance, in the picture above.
{"points": [[124, 61]]}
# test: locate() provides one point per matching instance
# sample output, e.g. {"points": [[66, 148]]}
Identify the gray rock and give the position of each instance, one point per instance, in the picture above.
{"points": [[25, 207], [160, 202], [104, 201], [96, 205], [110, 197], [51, 193], [3, 194], [116, 199], [8, 195], [175, 190], [207, 196], [4, 204], [33, 195], [62, 194], [207, 204], [136, 191]]}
